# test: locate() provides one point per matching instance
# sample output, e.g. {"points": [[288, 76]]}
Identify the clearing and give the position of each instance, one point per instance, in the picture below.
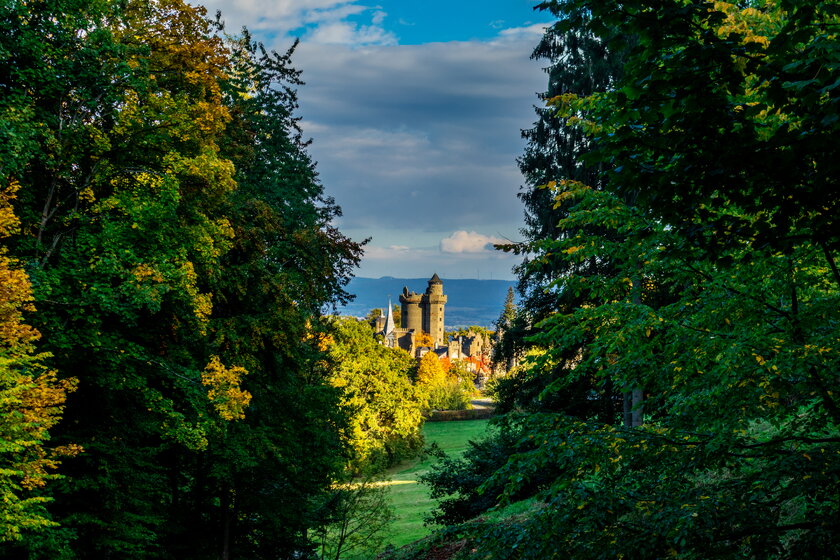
{"points": [[410, 498]]}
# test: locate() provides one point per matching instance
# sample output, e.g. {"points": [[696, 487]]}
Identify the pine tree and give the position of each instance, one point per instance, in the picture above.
{"points": [[580, 63], [504, 351]]}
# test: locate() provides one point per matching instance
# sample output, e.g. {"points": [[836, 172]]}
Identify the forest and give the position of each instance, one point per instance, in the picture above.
{"points": [[174, 385]]}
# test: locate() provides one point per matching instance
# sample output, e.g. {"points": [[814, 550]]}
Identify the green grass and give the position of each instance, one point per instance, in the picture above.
{"points": [[410, 498]]}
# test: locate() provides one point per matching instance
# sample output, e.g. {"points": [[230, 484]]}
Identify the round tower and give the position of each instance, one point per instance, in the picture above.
{"points": [[412, 315], [435, 286], [433, 311]]}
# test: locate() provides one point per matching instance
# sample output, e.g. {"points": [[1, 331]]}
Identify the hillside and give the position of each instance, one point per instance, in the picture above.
{"points": [[471, 302]]}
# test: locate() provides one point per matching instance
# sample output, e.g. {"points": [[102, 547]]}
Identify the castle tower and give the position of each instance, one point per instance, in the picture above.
{"points": [[433, 310], [412, 316], [424, 312]]}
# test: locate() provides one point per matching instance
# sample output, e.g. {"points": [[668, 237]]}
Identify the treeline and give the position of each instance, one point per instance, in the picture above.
{"points": [[678, 331], [167, 254]]}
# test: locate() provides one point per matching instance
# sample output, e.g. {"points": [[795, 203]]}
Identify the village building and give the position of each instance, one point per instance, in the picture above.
{"points": [[422, 330]]}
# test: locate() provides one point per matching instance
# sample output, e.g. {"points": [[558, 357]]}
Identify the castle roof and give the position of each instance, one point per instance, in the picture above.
{"points": [[435, 279]]}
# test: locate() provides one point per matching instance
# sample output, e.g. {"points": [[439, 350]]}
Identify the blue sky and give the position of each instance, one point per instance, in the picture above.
{"points": [[415, 22], [415, 111]]}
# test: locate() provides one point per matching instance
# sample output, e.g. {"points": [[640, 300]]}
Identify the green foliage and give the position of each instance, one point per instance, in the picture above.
{"points": [[356, 516], [442, 390], [472, 330], [696, 275], [504, 352], [384, 407], [452, 394], [445, 389], [580, 63], [460, 484], [177, 238]]}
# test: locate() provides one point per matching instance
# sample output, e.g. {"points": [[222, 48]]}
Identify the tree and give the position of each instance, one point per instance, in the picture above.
{"points": [[430, 371], [384, 408], [31, 399], [177, 238], [581, 62], [503, 351], [442, 391], [357, 515], [424, 340], [720, 298]]}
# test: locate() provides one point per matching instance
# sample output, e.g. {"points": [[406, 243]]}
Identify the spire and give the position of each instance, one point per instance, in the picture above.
{"points": [[435, 279], [389, 320]]}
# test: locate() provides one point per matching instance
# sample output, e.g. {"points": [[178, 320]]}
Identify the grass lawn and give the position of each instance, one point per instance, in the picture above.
{"points": [[411, 499]]}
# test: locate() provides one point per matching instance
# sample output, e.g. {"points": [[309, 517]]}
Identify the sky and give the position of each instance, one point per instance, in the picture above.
{"points": [[415, 110]]}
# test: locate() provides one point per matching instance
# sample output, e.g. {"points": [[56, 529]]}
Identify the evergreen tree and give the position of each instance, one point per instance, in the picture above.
{"points": [[720, 300], [503, 350], [580, 63]]}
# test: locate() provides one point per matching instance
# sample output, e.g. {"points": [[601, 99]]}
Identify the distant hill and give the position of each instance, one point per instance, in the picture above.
{"points": [[471, 302]]}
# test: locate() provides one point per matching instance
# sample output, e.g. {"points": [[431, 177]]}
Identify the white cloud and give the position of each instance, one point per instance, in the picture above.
{"points": [[378, 17], [319, 21], [535, 30], [345, 33], [468, 242]]}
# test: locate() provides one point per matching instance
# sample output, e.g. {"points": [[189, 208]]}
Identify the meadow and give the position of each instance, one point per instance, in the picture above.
{"points": [[411, 499]]}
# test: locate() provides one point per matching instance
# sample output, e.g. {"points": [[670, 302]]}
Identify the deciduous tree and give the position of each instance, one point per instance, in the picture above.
{"points": [[177, 238], [383, 405], [31, 399]]}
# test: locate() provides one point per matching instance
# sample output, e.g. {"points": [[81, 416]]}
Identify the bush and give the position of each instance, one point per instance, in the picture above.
{"points": [[454, 394]]}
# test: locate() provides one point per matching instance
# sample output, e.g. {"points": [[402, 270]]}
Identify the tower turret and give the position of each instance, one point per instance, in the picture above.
{"points": [[435, 285]]}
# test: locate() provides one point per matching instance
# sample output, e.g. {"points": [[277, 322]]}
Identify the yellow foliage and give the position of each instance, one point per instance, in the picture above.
{"points": [[31, 397], [424, 339], [229, 399], [143, 272], [754, 26], [431, 372]]}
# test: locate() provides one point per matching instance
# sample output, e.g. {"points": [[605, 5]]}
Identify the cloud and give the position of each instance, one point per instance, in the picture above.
{"points": [[406, 262], [317, 21], [468, 242], [535, 30], [412, 141], [345, 33], [422, 136]]}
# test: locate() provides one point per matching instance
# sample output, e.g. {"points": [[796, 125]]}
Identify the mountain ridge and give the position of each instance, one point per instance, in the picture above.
{"points": [[470, 301]]}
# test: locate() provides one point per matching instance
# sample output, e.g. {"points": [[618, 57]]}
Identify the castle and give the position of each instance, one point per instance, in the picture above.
{"points": [[423, 328]]}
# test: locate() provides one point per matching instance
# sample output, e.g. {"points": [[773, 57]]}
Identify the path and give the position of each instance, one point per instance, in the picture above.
{"points": [[483, 403]]}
